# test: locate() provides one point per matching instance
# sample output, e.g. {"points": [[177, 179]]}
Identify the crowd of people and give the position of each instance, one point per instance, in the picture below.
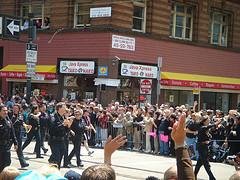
{"points": [[150, 129]]}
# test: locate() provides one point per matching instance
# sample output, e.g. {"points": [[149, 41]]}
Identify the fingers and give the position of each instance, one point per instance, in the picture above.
{"points": [[117, 138], [109, 139], [182, 121], [174, 129]]}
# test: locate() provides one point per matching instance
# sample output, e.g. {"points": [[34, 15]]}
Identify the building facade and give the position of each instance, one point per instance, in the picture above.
{"points": [[99, 49]]}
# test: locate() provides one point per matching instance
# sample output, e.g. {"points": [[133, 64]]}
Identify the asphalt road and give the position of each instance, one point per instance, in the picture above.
{"points": [[128, 165]]}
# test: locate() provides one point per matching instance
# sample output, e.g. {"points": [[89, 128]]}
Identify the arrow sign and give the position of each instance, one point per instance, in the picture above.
{"points": [[13, 28]]}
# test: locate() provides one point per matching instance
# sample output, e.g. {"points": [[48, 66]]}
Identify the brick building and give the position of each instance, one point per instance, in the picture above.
{"points": [[199, 41]]}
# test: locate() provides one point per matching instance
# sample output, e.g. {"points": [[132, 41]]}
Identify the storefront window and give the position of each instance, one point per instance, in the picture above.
{"points": [[208, 100], [222, 101]]}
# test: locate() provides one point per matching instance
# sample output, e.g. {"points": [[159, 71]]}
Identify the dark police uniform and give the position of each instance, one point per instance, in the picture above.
{"points": [[78, 127], [57, 135], [202, 147], [43, 118], [34, 132], [17, 121], [7, 136]]}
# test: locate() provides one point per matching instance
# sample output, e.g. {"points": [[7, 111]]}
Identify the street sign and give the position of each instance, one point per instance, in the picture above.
{"points": [[11, 28], [30, 69], [31, 52], [145, 86], [1, 25]]}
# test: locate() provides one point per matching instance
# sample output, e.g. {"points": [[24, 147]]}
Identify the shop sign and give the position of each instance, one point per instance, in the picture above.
{"points": [[194, 84], [138, 70], [23, 75], [100, 12], [145, 86], [102, 70], [196, 91], [77, 67], [123, 42]]}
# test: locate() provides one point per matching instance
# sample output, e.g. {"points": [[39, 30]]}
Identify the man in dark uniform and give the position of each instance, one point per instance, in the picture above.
{"points": [[6, 136], [58, 128], [17, 121]]}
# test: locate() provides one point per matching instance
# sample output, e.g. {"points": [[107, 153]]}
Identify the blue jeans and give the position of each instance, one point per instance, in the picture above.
{"points": [[193, 142], [129, 141], [164, 147], [98, 134]]}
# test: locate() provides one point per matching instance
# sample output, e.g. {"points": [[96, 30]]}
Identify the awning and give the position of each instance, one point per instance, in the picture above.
{"points": [[199, 81], [19, 71]]}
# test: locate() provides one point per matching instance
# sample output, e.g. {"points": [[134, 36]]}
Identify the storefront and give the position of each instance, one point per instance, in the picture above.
{"points": [[45, 79], [212, 91], [138, 83], [76, 79]]}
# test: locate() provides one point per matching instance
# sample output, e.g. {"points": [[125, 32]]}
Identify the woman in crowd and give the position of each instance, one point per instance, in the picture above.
{"points": [[149, 123]]}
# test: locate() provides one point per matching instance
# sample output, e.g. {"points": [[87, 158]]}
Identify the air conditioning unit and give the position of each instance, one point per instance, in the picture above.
{"points": [[82, 25]]}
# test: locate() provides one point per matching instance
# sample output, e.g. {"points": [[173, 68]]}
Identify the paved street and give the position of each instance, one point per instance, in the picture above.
{"points": [[128, 165]]}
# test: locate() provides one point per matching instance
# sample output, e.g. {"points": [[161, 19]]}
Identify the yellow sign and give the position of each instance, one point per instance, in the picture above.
{"points": [[196, 91]]}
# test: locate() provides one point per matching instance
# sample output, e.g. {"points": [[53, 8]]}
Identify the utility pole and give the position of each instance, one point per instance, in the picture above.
{"points": [[159, 60], [30, 58]]}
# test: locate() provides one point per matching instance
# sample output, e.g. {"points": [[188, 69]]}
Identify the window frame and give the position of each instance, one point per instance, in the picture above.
{"points": [[221, 23], [75, 25], [144, 6], [30, 8], [185, 15]]}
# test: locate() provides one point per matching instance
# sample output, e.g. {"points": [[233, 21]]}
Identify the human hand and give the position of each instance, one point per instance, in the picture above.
{"points": [[65, 122], [111, 146], [179, 132], [195, 103]]}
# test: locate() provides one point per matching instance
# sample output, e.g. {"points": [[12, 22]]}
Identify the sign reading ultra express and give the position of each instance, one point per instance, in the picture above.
{"points": [[138, 70], [76, 67]]}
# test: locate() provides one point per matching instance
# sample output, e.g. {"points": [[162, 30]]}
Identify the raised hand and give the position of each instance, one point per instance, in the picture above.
{"points": [[179, 132], [111, 146]]}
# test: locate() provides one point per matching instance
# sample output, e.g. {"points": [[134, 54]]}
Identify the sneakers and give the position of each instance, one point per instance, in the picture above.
{"points": [[90, 153], [98, 145]]}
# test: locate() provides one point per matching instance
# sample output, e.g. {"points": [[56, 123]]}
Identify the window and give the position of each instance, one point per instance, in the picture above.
{"points": [[139, 15], [40, 20], [181, 22], [82, 14], [219, 29]]}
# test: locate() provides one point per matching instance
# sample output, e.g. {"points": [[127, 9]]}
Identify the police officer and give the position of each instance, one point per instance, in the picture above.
{"points": [[6, 136], [78, 126], [58, 128], [203, 139], [33, 121], [43, 118], [17, 121]]}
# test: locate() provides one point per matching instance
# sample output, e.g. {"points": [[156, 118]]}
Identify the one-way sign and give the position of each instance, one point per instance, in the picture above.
{"points": [[11, 28]]}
